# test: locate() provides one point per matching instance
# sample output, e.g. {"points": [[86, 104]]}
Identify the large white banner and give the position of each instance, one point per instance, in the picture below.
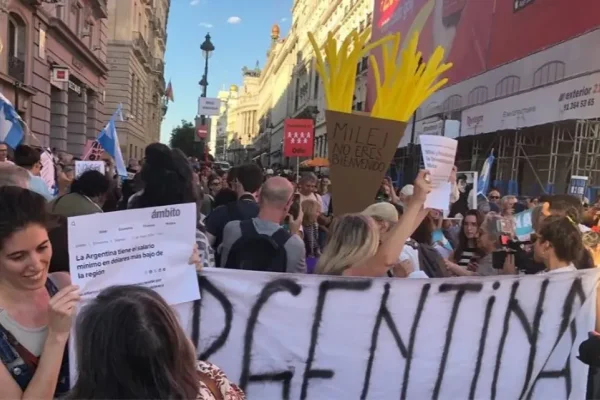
{"points": [[577, 98], [284, 336]]}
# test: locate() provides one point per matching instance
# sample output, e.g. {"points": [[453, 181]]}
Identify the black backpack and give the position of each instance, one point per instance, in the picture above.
{"points": [[254, 251]]}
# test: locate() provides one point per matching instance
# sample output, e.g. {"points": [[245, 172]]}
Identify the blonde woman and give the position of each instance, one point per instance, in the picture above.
{"points": [[591, 241], [354, 248]]}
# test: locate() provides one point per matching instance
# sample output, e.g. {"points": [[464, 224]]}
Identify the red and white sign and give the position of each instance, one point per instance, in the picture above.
{"points": [[299, 138], [60, 74], [202, 131], [577, 98]]}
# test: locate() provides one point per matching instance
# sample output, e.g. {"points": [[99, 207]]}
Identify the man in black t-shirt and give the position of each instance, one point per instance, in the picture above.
{"points": [[246, 184]]}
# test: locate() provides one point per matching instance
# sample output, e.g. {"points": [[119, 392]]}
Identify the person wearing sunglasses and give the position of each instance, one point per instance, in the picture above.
{"points": [[494, 196]]}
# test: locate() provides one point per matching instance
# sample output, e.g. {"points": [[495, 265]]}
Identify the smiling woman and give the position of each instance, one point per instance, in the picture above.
{"points": [[35, 316]]}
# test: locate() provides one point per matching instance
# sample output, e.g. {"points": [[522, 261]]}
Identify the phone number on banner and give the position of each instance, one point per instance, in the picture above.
{"points": [[579, 104]]}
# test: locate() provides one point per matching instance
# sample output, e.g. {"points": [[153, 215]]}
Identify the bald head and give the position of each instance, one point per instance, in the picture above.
{"points": [[276, 191]]}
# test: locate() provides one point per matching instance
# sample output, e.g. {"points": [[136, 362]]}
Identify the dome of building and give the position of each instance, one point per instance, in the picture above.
{"points": [[233, 88], [275, 31]]}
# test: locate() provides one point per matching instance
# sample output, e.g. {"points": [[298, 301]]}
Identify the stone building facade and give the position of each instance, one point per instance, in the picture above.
{"points": [[289, 84], [136, 49], [40, 38]]}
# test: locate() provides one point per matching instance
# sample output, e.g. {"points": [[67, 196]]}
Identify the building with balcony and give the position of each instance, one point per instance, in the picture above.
{"points": [[137, 41], [289, 86], [40, 38]]}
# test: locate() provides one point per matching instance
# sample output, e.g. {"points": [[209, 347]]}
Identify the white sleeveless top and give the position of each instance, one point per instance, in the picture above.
{"points": [[32, 339]]}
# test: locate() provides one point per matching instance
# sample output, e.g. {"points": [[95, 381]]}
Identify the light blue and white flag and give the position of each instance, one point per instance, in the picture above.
{"points": [[109, 140], [483, 183], [523, 225], [11, 125]]}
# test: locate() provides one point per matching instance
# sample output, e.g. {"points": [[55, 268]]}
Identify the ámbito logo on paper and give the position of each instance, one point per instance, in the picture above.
{"points": [[166, 213]]}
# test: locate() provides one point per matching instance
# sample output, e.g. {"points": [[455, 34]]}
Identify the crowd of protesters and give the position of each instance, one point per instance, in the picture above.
{"points": [[248, 219]]}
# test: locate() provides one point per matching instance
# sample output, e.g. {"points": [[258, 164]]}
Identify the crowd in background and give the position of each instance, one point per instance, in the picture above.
{"points": [[248, 219]]}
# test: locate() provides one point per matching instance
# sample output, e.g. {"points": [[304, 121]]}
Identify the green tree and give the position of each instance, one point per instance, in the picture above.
{"points": [[182, 138]]}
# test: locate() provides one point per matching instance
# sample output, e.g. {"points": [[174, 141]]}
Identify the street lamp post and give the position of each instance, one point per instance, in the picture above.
{"points": [[207, 48]]}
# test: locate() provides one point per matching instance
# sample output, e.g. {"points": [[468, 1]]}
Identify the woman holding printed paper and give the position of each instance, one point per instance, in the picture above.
{"points": [[35, 307]]}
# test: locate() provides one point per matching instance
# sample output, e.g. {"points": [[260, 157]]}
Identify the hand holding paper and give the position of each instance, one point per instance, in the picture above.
{"points": [[439, 154], [422, 186]]}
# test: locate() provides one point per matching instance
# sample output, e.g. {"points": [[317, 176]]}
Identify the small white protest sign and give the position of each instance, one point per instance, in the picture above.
{"points": [[83, 166], [147, 246], [150, 247], [284, 336], [438, 157]]}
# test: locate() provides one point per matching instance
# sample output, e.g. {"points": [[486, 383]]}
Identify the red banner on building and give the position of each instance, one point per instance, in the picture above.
{"points": [[298, 138]]}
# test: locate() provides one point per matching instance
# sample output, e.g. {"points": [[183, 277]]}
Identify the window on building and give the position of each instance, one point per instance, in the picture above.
{"points": [[130, 151], [508, 85], [76, 21], [60, 11], [549, 73], [137, 98], [364, 63], [359, 106], [132, 95], [297, 94], [316, 88], [477, 96], [142, 103], [452, 103], [17, 47]]}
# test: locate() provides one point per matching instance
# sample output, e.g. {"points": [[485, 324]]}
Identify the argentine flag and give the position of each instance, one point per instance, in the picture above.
{"points": [[11, 125], [483, 183], [109, 140]]}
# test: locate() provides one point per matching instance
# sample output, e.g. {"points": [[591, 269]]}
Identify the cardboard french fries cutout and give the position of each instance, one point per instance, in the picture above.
{"points": [[360, 150]]}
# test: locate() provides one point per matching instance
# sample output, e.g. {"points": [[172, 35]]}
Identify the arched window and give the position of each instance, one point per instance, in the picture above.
{"points": [[549, 73], [507, 86], [452, 103], [477, 96], [16, 47]]}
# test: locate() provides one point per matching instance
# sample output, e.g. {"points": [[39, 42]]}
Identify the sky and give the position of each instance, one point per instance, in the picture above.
{"points": [[240, 30]]}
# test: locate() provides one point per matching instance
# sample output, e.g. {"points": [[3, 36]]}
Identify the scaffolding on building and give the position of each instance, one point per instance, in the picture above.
{"points": [[532, 161], [541, 159]]}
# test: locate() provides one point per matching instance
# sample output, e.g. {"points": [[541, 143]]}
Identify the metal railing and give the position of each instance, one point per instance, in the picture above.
{"points": [[16, 68]]}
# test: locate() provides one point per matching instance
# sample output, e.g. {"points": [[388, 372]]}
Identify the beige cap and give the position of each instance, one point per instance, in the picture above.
{"points": [[384, 211], [408, 190]]}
